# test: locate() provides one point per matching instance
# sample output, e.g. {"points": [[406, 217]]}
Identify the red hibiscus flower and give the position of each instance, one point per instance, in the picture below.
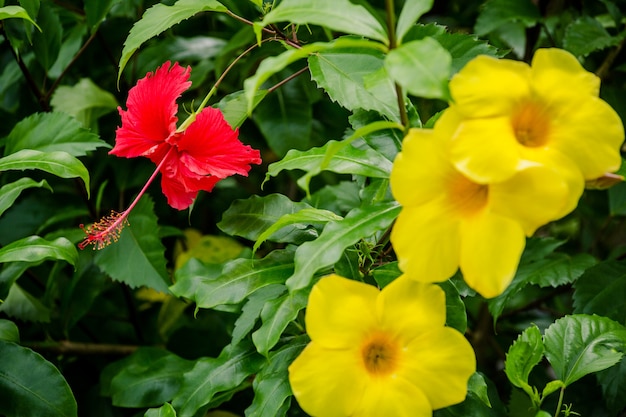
{"points": [[190, 160], [193, 157]]}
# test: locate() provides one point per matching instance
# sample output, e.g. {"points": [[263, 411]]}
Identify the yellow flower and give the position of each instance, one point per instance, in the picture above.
{"points": [[450, 221], [379, 353], [513, 112]]}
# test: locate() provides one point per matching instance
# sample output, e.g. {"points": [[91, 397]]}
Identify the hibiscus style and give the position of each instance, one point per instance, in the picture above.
{"points": [[191, 159]]}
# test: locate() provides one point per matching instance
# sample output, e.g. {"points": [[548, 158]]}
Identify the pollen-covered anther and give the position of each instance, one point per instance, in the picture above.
{"points": [[105, 231]]}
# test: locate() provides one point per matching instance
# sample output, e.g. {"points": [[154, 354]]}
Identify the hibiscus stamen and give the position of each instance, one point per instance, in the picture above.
{"points": [[108, 229]]}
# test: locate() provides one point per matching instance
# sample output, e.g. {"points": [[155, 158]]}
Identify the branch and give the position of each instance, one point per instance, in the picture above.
{"points": [[67, 347]]}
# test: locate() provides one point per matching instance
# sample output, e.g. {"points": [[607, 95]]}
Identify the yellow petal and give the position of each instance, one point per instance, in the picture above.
{"points": [[426, 242], [406, 307], [490, 87], [556, 72], [393, 397], [590, 133], [340, 311], [326, 382], [419, 170], [485, 150], [439, 362], [538, 194], [491, 247]]}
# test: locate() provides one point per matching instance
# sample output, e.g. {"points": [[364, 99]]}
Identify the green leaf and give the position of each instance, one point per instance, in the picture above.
{"points": [[276, 315], [85, 101], [211, 376], [602, 290], [581, 344], [52, 132], [526, 352], [539, 265], [275, 64], [456, 314], [336, 237], [166, 410], [411, 12], [139, 242], [22, 305], [37, 249], [356, 79], [234, 106], [421, 67], [617, 199], [9, 331], [496, 13], [331, 14], [10, 192], [386, 273], [482, 400], [61, 164], [251, 217], [251, 310], [72, 43], [586, 35], [271, 384], [340, 157], [238, 279], [16, 12], [159, 18], [149, 378], [32, 386], [305, 216], [613, 383], [47, 42]]}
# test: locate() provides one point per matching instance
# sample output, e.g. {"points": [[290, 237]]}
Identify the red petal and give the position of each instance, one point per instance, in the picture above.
{"points": [[180, 185], [210, 146], [151, 114]]}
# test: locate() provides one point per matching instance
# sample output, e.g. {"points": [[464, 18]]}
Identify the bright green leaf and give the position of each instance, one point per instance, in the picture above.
{"points": [[249, 218], [61, 164], [159, 18], [238, 279], [149, 378], [16, 12], [211, 376], [276, 315], [10, 192], [411, 12], [32, 386], [36, 249], [139, 242], [336, 237], [275, 64], [421, 67], [52, 132], [85, 101], [304, 216], [602, 290], [456, 314], [337, 15], [581, 344], [166, 410], [9, 331], [356, 79], [526, 352], [496, 13], [271, 384], [234, 106]]}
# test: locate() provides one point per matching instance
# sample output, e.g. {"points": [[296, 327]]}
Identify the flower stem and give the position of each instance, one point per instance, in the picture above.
{"points": [[560, 403]]}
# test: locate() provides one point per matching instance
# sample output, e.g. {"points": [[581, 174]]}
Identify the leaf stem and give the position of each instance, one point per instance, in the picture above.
{"points": [[391, 32], [560, 403]]}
